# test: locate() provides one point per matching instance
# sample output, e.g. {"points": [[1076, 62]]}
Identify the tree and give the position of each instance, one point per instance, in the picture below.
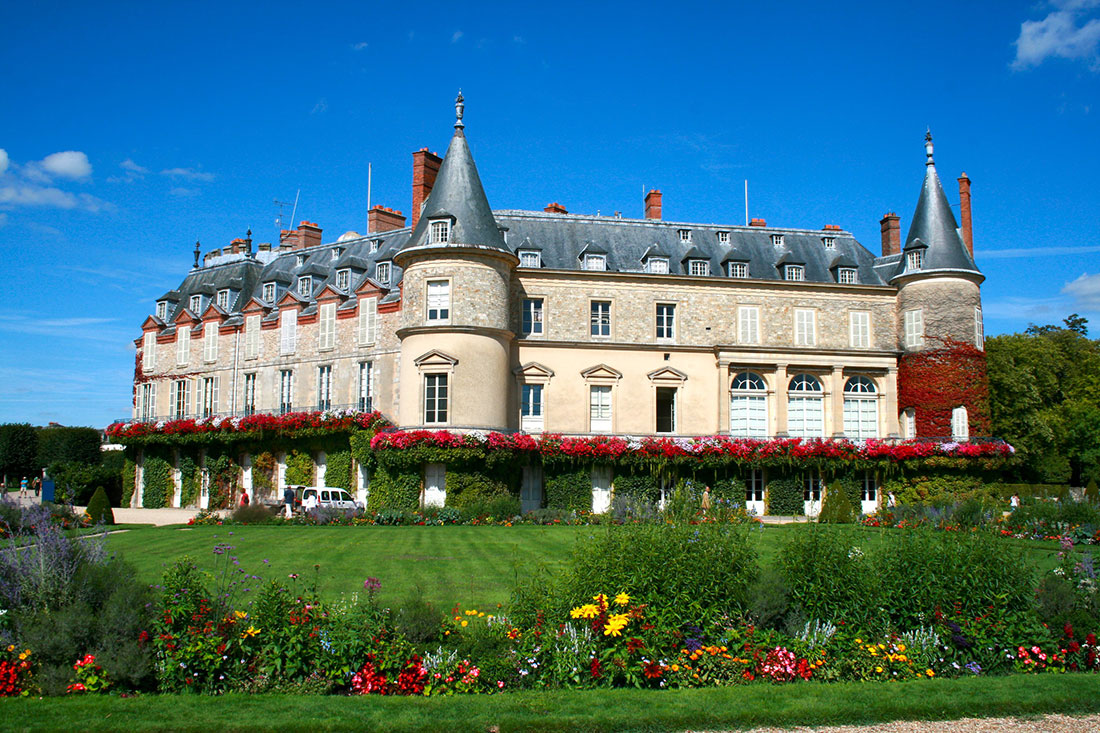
{"points": [[68, 445], [18, 452]]}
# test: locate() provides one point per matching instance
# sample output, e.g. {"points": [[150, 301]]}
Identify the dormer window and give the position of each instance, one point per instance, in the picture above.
{"points": [[530, 258], [595, 262], [440, 231], [375, 244], [336, 252], [657, 265], [777, 240], [305, 286], [723, 237], [343, 278], [299, 260], [847, 275], [382, 273], [162, 309], [914, 260], [685, 235], [738, 269], [829, 242], [698, 267], [268, 294], [223, 299], [794, 272], [196, 304]]}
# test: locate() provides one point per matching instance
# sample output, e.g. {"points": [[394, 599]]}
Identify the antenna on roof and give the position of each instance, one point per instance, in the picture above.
{"points": [[279, 222], [368, 196], [746, 202]]}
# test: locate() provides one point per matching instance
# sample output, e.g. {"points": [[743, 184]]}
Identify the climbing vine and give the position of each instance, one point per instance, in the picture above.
{"points": [[936, 381]]}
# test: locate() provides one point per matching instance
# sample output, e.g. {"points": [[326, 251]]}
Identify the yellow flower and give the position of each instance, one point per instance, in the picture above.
{"points": [[878, 670], [11, 647], [615, 624], [901, 647], [481, 614], [902, 658], [588, 610], [859, 641], [465, 623], [600, 598], [930, 673], [240, 614], [22, 656], [622, 599], [675, 668], [250, 631]]}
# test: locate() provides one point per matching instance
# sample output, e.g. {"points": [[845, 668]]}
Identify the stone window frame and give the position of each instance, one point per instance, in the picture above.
{"points": [[699, 267], [383, 272], [667, 378], [436, 363], [861, 388], [162, 310], [794, 273], [671, 321], [847, 275], [738, 270], [602, 375], [343, 278], [440, 230], [541, 309], [445, 317], [530, 258], [324, 386], [737, 389], [529, 374], [592, 301], [853, 342], [269, 292]]}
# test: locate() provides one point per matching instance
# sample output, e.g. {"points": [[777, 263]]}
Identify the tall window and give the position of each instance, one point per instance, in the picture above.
{"points": [[530, 258], [595, 262], [914, 260], [368, 321], [698, 267], [326, 331], [208, 396], [532, 316], [149, 352], [179, 397], [868, 491], [914, 328], [366, 386], [268, 294], [162, 309], [811, 487], [286, 391], [324, 387], [738, 269], [305, 286], [666, 322], [960, 424], [439, 300], [148, 401], [183, 343], [805, 330], [210, 342], [749, 406], [343, 279], [909, 424], [435, 398], [441, 232], [666, 410], [748, 324], [794, 272], [288, 332], [223, 299], [251, 337], [847, 275], [860, 409], [754, 486], [531, 408], [196, 304], [599, 408], [600, 318], [382, 273], [979, 328], [250, 393], [859, 329], [805, 407]]}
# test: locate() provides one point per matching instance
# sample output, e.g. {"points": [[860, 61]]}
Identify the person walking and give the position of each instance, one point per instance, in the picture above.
{"points": [[706, 500], [23, 488], [37, 484], [288, 499], [244, 498]]}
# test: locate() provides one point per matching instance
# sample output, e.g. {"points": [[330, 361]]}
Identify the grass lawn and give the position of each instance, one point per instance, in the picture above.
{"points": [[474, 566], [593, 710]]}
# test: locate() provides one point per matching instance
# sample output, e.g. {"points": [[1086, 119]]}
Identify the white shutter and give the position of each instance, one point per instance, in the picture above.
{"points": [[149, 352], [327, 334], [914, 328], [173, 395], [183, 344], [251, 337], [860, 329], [214, 395], [368, 321], [288, 332], [749, 325], [210, 342]]}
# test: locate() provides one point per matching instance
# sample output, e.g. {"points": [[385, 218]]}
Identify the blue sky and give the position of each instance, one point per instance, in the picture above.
{"points": [[129, 130]]}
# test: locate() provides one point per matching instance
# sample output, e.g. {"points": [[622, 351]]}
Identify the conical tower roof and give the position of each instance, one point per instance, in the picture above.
{"points": [[458, 194], [935, 228]]}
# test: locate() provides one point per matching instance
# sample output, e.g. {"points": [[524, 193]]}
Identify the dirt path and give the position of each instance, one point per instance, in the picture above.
{"points": [[1045, 724]]}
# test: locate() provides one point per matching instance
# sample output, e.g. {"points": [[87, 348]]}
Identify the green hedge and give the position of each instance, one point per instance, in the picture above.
{"points": [[467, 488], [128, 468], [570, 491], [299, 468], [338, 470], [731, 489], [635, 486], [190, 481], [935, 488], [1005, 491], [157, 480], [263, 473], [398, 490], [785, 497]]}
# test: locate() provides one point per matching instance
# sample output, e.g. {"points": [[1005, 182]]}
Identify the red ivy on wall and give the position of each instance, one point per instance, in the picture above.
{"points": [[936, 381]]}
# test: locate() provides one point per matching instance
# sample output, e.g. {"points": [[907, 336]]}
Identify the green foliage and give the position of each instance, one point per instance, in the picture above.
{"points": [[190, 481], [637, 486], [76, 482], [730, 488], [397, 490], [826, 579], [419, 619], [1092, 494], [263, 473], [299, 468], [570, 490], [254, 514], [158, 473], [935, 488], [685, 501], [785, 496], [504, 506], [128, 476], [224, 473], [467, 488], [836, 507], [60, 444], [99, 508], [338, 470], [18, 452]]}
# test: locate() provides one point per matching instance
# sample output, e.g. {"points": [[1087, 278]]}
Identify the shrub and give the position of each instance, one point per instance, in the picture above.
{"points": [[769, 604], [685, 501], [263, 474], [157, 473], [418, 619], [76, 482], [836, 507], [731, 489], [469, 488], [128, 475], [254, 514], [498, 507], [338, 470], [59, 444], [632, 508], [936, 488], [1092, 494], [639, 487], [223, 473], [827, 578], [571, 491], [785, 497], [398, 490], [299, 468], [190, 481], [99, 509]]}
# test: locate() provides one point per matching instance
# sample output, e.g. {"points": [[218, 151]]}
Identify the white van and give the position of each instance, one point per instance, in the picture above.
{"points": [[315, 497]]}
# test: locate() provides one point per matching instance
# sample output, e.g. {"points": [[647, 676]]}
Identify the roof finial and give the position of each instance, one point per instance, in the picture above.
{"points": [[460, 107], [928, 146], [197, 253]]}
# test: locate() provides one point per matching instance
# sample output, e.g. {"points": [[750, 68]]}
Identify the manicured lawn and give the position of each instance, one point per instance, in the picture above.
{"points": [[474, 566], [618, 710]]}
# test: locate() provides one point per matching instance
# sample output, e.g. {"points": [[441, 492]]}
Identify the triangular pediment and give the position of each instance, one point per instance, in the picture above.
{"points": [[601, 372], [214, 312], [255, 305], [667, 374], [370, 287], [291, 299], [534, 370], [185, 316], [435, 357], [329, 293], [152, 323]]}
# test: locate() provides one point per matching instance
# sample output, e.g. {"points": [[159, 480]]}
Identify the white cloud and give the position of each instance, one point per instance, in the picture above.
{"points": [[134, 172], [30, 194], [71, 164], [190, 174], [1001, 254], [181, 191], [1085, 291], [1059, 35], [456, 36], [359, 46], [3, 160], [320, 107]]}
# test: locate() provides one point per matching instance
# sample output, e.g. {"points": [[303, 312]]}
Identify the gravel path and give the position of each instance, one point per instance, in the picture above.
{"points": [[1045, 724]]}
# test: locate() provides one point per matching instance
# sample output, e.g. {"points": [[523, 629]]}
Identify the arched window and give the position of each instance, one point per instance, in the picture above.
{"points": [[860, 409], [805, 407], [960, 424], [749, 406]]}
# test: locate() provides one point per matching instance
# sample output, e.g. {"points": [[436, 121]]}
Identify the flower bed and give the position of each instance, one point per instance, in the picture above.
{"points": [[252, 427]]}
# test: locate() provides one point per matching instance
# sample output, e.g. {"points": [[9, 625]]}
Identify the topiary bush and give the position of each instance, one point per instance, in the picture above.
{"points": [[469, 488], [785, 497], [128, 473], [190, 481], [393, 489], [571, 491], [1092, 494], [99, 508], [299, 468], [157, 480], [836, 507], [936, 488], [338, 470]]}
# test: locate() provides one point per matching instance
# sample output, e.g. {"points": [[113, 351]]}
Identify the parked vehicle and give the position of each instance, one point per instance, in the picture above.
{"points": [[316, 497]]}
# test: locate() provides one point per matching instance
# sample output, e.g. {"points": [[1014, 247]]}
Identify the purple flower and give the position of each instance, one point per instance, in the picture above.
{"points": [[372, 584]]}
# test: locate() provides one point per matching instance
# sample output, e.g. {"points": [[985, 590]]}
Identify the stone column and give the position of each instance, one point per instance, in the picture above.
{"points": [[138, 498], [723, 426], [888, 418], [320, 463], [177, 479], [780, 400], [834, 421], [204, 481]]}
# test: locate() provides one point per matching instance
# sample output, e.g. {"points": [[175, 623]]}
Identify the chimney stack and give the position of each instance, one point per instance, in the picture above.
{"points": [[309, 234], [757, 223], [384, 219], [288, 239], [891, 234], [236, 246], [964, 213], [425, 169], [831, 227], [248, 243], [653, 204], [555, 208]]}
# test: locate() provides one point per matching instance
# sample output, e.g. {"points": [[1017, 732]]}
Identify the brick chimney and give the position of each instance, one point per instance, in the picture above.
{"points": [[555, 208], [384, 219], [831, 227], [653, 204], [236, 246], [425, 169], [288, 239], [757, 223], [964, 213], [309, 234], [891, 234]]}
